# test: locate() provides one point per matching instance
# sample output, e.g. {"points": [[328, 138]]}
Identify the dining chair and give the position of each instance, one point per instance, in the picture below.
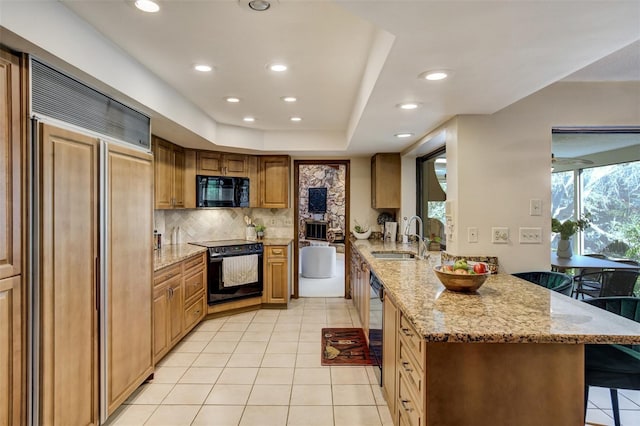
{"points": [[592, 282], [615, 282], [613, 366], [556, 281]]}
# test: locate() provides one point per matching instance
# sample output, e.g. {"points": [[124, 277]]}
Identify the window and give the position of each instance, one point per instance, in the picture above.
{"points": [[611, 194], [432, 188]]}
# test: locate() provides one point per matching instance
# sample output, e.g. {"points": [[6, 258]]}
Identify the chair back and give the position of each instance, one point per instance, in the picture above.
{"points": [[620, 282], [593, 270], [628, 307], [555, 281]]}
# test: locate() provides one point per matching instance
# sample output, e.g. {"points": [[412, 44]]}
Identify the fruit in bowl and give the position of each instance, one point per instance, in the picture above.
{"points": [[462, 275]]}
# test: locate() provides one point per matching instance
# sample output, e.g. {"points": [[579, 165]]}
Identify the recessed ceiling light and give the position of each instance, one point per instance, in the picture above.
{"points": [[403, 135], [147, 6], [296, 119], [278, 67], [434, 75], [232, 99], [409, 105], [249, 119], [289, 98], [202, 67], [259, 5]]}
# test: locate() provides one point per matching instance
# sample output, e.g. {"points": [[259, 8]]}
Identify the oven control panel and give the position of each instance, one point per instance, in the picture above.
{"points": [[236, 250]]}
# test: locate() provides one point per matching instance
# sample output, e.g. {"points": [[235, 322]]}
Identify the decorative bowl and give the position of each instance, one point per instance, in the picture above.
{"points": [[467, 283], [362, 235]]}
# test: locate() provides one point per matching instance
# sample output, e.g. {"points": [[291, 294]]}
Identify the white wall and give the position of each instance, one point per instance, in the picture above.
{"points": [[497, 163], [360, 191]]}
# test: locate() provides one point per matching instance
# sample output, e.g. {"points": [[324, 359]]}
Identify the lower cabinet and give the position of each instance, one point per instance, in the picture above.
{"points": [[10, 351], [276, 275], [360, 289], [389, 354], [178, 303]]}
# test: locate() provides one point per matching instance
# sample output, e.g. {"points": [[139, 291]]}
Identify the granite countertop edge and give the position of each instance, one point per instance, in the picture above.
{"points": [[505, 310]]}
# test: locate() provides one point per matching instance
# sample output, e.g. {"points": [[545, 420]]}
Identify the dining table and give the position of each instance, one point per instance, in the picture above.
{"points": [[578, 261]]}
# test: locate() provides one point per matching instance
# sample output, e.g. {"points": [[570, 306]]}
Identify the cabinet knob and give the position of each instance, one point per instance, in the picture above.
{"points": [[405, 365], [407, 332]]}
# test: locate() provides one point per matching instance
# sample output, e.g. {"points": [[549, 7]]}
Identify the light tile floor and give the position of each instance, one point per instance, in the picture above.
{"points": [[263, 368]]}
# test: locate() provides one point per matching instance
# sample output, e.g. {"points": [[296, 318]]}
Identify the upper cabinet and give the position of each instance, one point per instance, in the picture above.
{"points": [[385, 181], [273, 173], [211, 163], [169, 173], [10, 161]]}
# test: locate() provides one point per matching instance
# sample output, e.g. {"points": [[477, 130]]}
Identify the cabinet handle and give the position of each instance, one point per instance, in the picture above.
{"points": [[407, 332], [198, 312], [404, 403], [405, 365]]}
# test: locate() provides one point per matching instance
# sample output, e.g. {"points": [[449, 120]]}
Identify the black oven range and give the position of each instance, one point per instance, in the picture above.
{"points": [[234, 269]]}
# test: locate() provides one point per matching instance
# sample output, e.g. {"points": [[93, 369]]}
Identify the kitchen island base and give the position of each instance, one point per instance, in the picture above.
{"points": [[501, 384]]}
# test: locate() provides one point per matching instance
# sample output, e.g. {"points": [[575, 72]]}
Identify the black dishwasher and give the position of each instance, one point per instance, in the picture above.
{"points": [[375, 324]]}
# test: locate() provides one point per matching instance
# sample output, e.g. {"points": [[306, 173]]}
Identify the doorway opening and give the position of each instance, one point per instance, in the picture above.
{"points": [[321, 218]]}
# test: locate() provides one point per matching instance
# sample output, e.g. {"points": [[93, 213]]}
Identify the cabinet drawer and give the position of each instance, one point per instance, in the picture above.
{"points": [[409, 407], [166, 274], [414, 342], [277, 251], [193, 314], [194, 263], [412, 370], [194, 285]]}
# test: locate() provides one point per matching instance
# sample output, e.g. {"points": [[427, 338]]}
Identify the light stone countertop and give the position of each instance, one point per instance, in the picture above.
{"points": [[505, 309], [171, 254]]}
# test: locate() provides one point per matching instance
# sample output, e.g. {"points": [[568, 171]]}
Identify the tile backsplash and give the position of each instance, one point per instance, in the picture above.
{"points": [[221, 224]]}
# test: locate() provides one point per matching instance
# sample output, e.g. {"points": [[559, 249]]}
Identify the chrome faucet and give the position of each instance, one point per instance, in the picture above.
{"points": [[421, 240]]}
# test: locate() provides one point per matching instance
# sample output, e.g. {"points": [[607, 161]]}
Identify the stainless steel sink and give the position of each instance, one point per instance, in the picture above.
{"points": [[393, 255]]}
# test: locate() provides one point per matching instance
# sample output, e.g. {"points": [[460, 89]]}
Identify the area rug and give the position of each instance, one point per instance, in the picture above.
{"points": [[345, 346]]}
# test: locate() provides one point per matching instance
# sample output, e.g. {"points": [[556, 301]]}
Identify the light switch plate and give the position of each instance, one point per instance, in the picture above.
{"points": [[530, 235], [535, 207], [499, 235], [472, 234]]}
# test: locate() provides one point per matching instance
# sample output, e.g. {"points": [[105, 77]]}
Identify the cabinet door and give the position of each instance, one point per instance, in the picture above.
{"points": [[178, 177], [163, 173], [274, 181], [176, 310], [160, 322], [276, 275], [389, 333], [210, 163], [385, 181], [68, 324], [10, 161], [10, 351], [236, 165], [129, 357]]}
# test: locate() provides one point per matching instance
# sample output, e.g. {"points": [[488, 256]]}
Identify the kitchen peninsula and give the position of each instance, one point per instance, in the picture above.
{"points": [[512, 353]]}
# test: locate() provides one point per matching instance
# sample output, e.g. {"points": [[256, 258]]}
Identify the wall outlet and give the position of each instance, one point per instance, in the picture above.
{"points": [[288, 221], [499, 235], [472, 234], [273, 221], [530, 235]]}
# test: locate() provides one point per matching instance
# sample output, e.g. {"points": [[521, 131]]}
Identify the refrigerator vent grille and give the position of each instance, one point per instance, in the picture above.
{"points": [[59, 96]]}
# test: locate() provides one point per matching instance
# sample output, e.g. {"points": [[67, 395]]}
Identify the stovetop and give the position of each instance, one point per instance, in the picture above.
{"points": [[231, 247], [224, 243]]}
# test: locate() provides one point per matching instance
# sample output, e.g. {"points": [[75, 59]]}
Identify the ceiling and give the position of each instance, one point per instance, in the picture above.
{"points": [[352, 62]]}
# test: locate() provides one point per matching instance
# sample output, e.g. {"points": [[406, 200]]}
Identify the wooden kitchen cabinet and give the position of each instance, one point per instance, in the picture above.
{"points": [[360, 289], [212, 163], [385, 181], [273, 171], [128, 321], [169, 174], [276, 275], [69, 272], [389, 358], [10, 351], [179, 302], [12, 341]]}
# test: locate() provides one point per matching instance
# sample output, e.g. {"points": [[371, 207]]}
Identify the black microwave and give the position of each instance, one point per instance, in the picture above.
{"points": [[222, 191]]}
